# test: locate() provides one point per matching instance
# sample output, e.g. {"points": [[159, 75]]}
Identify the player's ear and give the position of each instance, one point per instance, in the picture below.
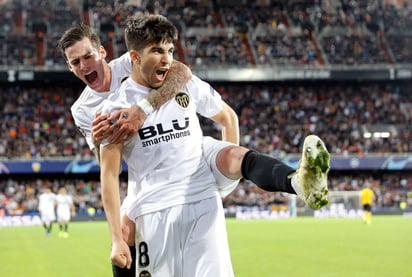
{"points": [[69, 66], [134, 56], [102, 52]]}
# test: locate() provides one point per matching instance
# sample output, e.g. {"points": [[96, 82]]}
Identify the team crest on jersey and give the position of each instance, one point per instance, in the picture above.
{"points": [[182, 99], [145, 273]]}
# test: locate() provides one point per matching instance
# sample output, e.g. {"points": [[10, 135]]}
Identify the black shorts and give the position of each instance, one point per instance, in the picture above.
{"points": [[367, 207]]}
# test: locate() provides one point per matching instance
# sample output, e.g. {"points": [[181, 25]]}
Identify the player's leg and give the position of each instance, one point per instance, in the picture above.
{"points": [[159, 241], [49, 228], [52, 217], [309, 181], [222, 164], [48, 217], [206, 248], [128, 230], [46, 224], [66, 225], [184, 240], [60, 222], [266, 172], [43, 220], [367, 213], [49, 225], [229, 163]]}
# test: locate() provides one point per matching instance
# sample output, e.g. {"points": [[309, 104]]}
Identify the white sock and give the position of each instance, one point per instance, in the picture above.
{"points": [[296, 186]]}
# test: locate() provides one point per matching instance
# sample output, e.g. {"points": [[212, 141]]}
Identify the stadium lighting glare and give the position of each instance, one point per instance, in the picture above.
{"points": [[382, 134], [368, 135]]}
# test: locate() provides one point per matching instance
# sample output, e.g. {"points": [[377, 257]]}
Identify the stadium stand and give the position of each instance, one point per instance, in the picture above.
{"points": [[361, 47]]}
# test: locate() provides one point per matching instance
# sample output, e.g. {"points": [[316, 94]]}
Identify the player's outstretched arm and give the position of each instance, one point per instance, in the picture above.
{"points": [[131, 120]]}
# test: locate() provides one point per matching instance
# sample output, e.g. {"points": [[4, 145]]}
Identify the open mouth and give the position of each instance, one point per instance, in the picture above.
{"points": [[161, 74], [92, 77]]}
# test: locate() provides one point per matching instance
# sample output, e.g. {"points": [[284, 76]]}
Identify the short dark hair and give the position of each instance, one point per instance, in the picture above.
{"points": [[142, 30], [75, 34]]}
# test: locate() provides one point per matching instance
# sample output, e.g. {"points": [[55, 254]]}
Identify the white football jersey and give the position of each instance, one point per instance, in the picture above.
{"points": [[164, 159], [90, 101], [64, 203], [47, 202]]}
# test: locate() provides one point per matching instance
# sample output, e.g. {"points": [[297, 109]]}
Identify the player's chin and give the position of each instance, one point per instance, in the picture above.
{"points": [[157, 84], [93, 85]]}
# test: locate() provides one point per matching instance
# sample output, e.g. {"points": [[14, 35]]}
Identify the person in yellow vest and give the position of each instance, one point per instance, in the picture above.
{"points": [[367, 197]]}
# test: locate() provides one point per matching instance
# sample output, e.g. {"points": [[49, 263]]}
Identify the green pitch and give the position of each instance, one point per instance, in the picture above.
{"points": [[301, 247]]}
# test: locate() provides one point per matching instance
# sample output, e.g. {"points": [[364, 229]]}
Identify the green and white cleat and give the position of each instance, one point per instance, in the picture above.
{"points": [[311, 178]]}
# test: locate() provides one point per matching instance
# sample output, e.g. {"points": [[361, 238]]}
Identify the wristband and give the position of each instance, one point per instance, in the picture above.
{"points": [[145, 106]]}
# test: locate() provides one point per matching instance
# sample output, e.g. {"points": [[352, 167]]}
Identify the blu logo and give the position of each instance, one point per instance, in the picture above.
{"points": [[161, 129]]}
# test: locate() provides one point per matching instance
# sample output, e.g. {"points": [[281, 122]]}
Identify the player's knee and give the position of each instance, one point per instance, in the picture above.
{"points": [[229, 161]]}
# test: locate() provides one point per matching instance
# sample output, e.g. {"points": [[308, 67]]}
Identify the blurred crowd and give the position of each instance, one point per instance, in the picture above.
{"points": [[19, 197], [37, 123], [274, 118], [250, 33]]}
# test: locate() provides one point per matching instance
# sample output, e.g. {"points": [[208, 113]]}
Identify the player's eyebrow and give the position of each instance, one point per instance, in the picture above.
{"points": [[161, 49], [75, 60]]}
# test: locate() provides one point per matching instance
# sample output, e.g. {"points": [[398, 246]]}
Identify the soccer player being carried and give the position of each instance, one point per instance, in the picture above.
{"points": [[228, 161], [173, 197]]}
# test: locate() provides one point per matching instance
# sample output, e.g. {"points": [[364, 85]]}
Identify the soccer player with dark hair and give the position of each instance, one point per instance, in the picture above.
{"points": [[173, 196], [86, 58], [228, 161]]}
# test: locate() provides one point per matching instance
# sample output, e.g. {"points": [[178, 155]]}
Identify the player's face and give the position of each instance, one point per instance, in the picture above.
{"points": [[154, 63], [88, 64]]}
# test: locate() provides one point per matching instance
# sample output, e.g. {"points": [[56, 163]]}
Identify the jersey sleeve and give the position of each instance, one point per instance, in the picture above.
{"points": [[209, 101], [82, 122], [122, 64], [81, 110]]}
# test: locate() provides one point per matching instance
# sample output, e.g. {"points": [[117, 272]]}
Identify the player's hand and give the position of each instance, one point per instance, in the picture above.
{"points": [[102, 127], [120, 255], [129, 122]]}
